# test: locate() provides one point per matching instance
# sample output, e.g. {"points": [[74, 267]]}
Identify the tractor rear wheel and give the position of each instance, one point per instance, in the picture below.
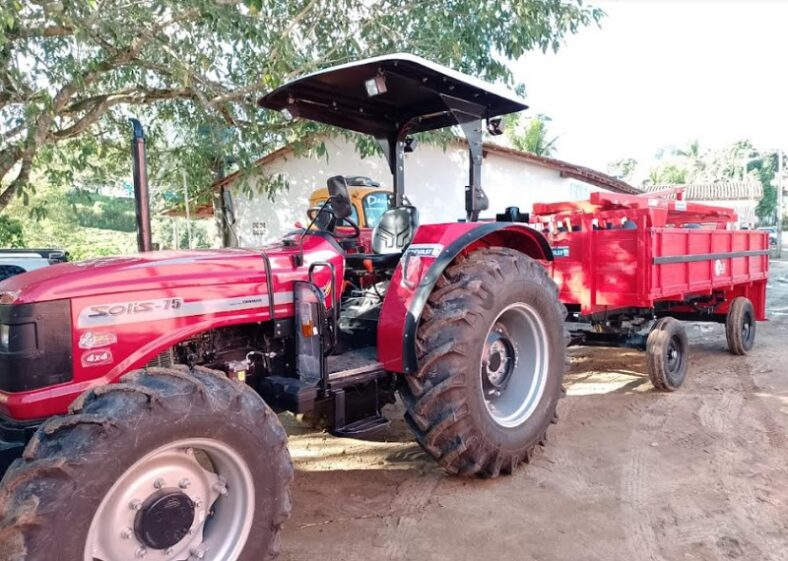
{"points": [[740, 326], [170, 464], [492, 356], [666, 354]]}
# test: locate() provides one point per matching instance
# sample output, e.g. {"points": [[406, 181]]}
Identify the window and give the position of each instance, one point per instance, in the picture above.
{"points": [[375, 204], [312, 212]]}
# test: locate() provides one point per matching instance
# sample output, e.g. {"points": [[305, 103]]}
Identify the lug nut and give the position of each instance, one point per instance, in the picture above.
{"points": [[184, 483], [220, 488], [127, 533], [169, 551], [189, 450], [198, 553], [140, 553], [135, 504], [197, 501], [159, 483]]}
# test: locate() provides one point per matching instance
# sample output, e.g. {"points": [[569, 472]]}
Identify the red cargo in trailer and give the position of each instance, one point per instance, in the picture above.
{"points": [[623, 261]]}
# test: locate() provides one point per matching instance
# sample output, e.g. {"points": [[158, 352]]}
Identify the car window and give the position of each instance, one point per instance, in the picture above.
{"points": [[7, 271], [375, 204]]}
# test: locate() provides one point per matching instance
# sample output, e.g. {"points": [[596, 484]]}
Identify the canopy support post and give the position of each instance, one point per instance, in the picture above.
{"points": [[393, 147], [469, 116]]}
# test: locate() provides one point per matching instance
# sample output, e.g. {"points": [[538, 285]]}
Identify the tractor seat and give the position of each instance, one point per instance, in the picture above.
{"points": [[391, 236]]}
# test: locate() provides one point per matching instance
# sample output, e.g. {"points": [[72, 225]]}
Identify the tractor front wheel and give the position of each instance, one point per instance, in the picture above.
{"points": [[491, 357], [170, 464]]}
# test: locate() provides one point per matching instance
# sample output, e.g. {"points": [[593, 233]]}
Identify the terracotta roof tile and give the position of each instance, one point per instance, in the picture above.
{"points": [[720, 191]]}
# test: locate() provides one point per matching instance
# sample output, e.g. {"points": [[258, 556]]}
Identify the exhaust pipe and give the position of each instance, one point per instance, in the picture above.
{"points": [[141, 194]]}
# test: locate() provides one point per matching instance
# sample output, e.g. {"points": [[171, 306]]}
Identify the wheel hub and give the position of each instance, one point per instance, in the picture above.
{"points": [[499, 360], [164, 519], [514, 365], [189, 499], [674, 358]]}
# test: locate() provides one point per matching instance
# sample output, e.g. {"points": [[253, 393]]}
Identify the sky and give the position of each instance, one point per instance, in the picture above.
{"points": [[665, 72]]}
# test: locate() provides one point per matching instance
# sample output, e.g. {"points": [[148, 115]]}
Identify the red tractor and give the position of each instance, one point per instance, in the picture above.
{"points": [[138, 395]]}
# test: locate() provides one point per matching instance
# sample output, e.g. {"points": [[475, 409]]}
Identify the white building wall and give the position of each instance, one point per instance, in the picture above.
{"points": [[434, 182], [744, 209]]}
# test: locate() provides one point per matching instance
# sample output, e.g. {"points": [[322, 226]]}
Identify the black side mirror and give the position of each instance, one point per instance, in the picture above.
{"points": [[229, 206], [340, 199]]}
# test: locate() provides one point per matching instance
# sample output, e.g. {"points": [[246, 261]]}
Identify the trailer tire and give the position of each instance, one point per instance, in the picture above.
{"points": [[740, 326], [58, 501], [667, 354], [493, 300]]}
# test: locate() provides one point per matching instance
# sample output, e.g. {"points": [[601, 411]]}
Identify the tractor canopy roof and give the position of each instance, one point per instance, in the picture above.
{"points": [[391, 95]]}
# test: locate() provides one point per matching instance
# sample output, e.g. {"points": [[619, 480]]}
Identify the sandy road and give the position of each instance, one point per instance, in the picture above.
{"points": [[628, 474]]}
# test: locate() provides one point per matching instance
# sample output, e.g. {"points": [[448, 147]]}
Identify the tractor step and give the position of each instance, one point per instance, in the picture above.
{"points": [[361, 427], [352, 372], [353, 367]]}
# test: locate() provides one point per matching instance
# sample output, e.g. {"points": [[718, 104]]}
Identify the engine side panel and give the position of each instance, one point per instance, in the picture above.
{"points": [[123, 330]]}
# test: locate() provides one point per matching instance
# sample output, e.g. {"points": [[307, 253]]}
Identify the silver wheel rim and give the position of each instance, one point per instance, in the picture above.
{"points": [[514, 366], [212, 474]]}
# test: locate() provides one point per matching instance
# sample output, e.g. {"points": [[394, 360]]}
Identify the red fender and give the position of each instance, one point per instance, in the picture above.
{"points": [[433, 248]]}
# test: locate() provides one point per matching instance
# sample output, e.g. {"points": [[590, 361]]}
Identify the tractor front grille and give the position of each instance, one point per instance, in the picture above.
{"points": [[35, 345], [162, 360]]}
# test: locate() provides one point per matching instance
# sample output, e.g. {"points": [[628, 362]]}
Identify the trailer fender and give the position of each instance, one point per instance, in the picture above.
{"points": [[439, 247]]}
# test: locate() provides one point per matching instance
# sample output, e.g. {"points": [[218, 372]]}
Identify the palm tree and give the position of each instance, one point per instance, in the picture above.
{"points": [[534, 138], [692, 154]]}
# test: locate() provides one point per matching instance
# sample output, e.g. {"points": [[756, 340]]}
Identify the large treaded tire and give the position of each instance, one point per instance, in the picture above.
{"points": [[740, 326], [666, 337], [49, 496], [444, 401]]}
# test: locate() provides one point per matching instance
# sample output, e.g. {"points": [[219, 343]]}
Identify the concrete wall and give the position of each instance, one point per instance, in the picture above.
{"points": [[434, 182]]}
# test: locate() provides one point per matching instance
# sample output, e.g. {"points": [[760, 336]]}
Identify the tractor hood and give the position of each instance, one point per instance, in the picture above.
{"points": [[160, 270]]}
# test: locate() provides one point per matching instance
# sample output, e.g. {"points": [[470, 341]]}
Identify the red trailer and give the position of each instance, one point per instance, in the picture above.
{"points": [[629, 267]]}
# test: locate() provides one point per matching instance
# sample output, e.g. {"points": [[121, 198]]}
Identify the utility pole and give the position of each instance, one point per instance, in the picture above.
{"points": [[779, 203]]}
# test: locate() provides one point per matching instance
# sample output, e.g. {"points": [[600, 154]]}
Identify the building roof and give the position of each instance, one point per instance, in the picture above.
{"points": [[721, 191], [581, 173]]}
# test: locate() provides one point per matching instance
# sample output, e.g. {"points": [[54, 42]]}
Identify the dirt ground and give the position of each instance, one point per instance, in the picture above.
{"points": [[628, 474]]}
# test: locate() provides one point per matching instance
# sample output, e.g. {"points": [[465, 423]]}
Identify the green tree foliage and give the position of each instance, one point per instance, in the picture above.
{"points": [[71, 71], [90, 224], [623, 169], [532, 135], [668, 174], [11, 234], [766, 169], [692, 157], [739, 161]]}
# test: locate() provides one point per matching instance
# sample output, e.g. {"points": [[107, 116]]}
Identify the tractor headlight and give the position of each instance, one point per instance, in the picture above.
{"points": [[5, 332], [411, 270]]}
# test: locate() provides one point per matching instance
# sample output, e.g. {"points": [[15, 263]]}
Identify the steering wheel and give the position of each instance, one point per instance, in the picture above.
{"points": [[340, 207], [325, 220], [338, 223]]}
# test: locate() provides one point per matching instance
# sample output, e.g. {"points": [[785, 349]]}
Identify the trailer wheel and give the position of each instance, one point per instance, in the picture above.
{"points": [[740, 326], [492, 357], [170, 464], [667, 354]]}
